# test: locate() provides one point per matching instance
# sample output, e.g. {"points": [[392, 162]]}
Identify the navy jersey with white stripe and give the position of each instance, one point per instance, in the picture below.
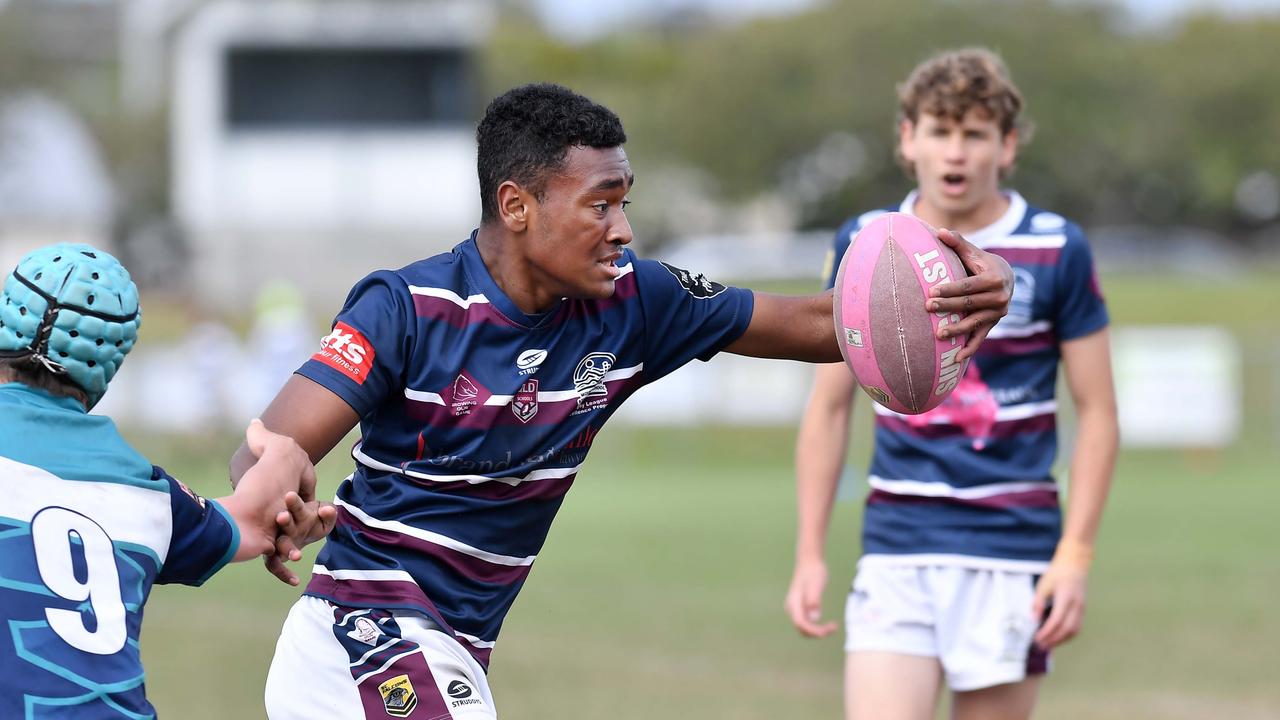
{"points": [[87, 526], [476, 417], [970, 481]]}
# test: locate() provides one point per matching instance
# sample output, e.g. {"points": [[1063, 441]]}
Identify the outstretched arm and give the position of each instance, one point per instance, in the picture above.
{"points": [[267, 495], [803, 328], [820, 451], [316, 419], [1087, 362]]}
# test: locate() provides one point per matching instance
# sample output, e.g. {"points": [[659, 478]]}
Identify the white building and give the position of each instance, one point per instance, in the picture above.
{"points": [[316, 141]]}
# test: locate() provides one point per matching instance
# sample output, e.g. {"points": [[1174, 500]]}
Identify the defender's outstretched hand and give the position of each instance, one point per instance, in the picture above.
{"points": [[282, 468], [984, 295]]}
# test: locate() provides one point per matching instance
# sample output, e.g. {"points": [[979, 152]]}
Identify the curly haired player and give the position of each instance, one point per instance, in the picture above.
{"points": [[967, 573], [480, 378]]}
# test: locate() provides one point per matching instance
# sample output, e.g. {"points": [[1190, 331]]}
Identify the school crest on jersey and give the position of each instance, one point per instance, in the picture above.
{"points": [[588, 380], [1021, 305], [525, 403], [398, 697]]}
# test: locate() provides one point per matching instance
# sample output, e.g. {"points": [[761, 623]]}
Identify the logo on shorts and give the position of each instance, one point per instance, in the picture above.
{"points": [[458, 689], [461, 694], [588, 380], [366, 631], [525, 403], [1016, 629], [398, 697], [696, 283], [528, 361]]}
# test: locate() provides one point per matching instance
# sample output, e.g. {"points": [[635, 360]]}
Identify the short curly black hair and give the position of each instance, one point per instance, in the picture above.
{"points": [[526, 133]]}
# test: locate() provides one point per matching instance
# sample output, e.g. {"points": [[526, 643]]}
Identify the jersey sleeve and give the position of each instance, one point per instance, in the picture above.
{"points": [[204, 539], [687, 316], [1081, 308], [363, 358], [839, 245]]}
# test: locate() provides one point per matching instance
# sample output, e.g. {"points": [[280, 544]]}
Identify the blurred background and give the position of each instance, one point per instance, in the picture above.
{"points": [[250, 159]]}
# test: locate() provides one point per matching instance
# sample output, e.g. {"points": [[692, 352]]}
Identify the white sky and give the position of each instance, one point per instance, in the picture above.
{"points": [[578, 19]]}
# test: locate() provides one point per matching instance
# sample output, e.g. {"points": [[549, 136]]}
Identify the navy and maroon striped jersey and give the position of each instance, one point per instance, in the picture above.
{"points": [[969, 482], [476, 417]]}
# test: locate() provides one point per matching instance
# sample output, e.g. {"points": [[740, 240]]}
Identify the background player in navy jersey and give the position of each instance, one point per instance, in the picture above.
{"points": [[87, 525], [962, 539], [480, 378]]}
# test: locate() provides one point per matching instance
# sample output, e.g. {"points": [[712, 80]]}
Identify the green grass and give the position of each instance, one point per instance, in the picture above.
{"points": [[659, 593]]}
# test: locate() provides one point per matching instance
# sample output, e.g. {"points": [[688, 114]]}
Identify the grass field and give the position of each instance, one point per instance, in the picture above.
{"points": [[659, 591]]}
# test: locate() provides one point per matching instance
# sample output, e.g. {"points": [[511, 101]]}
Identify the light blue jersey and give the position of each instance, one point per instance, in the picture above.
{"points": [[87, 526]]}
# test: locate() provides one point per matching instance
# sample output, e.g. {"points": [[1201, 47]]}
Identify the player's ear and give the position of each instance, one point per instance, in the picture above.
{"points": [[1008, 149], [906, 139], [513, 206]]}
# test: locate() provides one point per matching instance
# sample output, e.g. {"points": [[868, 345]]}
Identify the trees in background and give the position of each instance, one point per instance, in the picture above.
{"points": [[1173, 126]]}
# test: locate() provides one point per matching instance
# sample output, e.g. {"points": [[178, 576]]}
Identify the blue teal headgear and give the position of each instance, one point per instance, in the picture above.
{"points": [[73, 309]]}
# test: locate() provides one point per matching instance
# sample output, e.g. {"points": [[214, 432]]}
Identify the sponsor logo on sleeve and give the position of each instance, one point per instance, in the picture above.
{"points": [[346, 350], [696, 283], [588, 380], [525, 403], [199, 500], [398, 697]]}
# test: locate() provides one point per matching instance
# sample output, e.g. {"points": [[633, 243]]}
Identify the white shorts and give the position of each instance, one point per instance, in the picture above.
{"points": [[977, 622], [337, 663]]}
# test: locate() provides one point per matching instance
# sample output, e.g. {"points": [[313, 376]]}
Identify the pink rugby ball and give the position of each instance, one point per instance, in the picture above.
{"points": [[886, 335]]}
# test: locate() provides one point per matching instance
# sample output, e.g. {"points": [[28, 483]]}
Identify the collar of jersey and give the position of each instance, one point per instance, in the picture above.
{"points": [[27, 395], [1002, 227], [479, 275]]}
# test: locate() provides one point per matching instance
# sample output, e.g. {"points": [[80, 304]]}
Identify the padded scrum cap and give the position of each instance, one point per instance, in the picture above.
{"points": [[73, 309]]}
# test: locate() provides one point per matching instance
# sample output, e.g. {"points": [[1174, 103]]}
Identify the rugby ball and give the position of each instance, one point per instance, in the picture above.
{"points": [[886, 334]]}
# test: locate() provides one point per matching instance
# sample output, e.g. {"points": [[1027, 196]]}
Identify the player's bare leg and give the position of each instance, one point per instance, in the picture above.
{"points": [[1012, 701], [890, 686]]}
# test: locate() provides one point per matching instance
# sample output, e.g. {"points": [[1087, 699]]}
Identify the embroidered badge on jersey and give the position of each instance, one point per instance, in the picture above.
{"points": [[346, 350], [588, 380], [525, 403], [398, 697]]}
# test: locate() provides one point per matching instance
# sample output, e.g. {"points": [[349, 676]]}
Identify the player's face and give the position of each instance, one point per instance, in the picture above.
{"points": [[580, 225], [958, 164]]}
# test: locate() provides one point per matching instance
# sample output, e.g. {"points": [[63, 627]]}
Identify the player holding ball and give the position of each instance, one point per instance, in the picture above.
{"points": [[968, 574], [480, 378]]}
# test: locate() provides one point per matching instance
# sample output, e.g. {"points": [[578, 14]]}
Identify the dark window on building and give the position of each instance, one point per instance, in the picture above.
{"points": [[349, 87]]}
